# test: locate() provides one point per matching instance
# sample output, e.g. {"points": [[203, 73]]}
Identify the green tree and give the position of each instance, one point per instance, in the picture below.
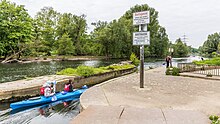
{"points": [[116, 36], [65, 46], [16, 29], [180, 49], [75, 26], [46, 21], [211, 44]]}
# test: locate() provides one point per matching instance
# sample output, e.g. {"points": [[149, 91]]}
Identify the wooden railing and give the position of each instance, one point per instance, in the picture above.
{"points": [[202, 69]]}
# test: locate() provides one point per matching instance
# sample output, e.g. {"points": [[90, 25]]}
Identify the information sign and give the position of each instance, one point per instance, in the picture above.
{"points": [[140, 18], [141, 38]]}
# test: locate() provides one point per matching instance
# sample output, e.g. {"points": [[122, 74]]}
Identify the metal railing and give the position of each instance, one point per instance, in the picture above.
{"points": [[203, 69]]}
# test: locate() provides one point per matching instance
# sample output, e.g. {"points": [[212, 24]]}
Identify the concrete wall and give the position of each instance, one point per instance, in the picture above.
{"points": [[31, 91]]}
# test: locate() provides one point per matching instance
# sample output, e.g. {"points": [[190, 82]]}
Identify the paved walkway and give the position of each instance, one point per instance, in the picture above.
{"points": [[161, 92], [132, 115]]}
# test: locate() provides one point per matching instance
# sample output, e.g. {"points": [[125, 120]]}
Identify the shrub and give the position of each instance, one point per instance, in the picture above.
{"points": [[134, 59], [85, 70], [173, 71], [120, 67], [214, 61], [67, 71], [168, 71], [100, 70], [214, 54], [214, 119]]}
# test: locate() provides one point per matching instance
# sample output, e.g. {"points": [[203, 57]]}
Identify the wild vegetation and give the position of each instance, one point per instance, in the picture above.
{"points": [[173, 71], [88, 71], [213, 61], [214, 119], [52, 33]]}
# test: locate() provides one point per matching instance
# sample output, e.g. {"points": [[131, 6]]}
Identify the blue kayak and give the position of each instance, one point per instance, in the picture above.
{"points": [[44, 100]]}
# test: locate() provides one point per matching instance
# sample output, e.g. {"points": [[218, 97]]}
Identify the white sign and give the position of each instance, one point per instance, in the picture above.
{"points": [[141, 38], [141, 18]]}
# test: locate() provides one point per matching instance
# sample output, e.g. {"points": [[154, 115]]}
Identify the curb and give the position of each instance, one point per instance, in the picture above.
{"points": [[201, 77]]}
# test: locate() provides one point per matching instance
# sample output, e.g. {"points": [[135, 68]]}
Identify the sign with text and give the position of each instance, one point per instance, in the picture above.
{"points": [[141, 38], [140, 18]]}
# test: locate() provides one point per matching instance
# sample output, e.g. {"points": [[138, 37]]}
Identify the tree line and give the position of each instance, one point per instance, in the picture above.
{"points": [[54, 33], [211, 47]]}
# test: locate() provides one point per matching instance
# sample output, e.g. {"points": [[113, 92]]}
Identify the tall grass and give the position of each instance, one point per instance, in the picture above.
{"points": [[83, 70], [214, 61]]}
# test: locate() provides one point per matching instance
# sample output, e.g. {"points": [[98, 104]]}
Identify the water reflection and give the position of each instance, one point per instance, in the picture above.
{"points": [[153, 63], [16, 71], [54, 113]]}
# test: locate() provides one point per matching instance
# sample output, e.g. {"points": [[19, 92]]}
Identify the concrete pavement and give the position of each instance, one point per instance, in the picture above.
{"points": [[132, 115], [173, 93]]}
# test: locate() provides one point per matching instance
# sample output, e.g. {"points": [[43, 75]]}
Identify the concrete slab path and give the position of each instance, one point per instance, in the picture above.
{"points": [[175, 93], [132, 115]]}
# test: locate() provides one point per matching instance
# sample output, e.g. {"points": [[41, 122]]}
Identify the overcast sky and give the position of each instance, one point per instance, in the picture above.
{"points": [[194, 18]]}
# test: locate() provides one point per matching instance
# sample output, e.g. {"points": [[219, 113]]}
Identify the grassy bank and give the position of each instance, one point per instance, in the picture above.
{"points": [[214, 61], [62, 57], [88, 71]]}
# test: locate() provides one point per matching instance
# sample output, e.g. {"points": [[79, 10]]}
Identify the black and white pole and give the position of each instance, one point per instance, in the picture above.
{"points": [[141, 61]]}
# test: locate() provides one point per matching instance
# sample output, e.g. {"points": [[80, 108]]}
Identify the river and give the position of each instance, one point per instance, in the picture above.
{"points": [[59, 112], [17, 71]]}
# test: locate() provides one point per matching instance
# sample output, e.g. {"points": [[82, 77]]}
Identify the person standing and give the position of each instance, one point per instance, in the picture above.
{"points": [[167, 61], [170, 61]]}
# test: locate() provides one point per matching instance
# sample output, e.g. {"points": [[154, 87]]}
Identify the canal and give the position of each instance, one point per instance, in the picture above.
{"points": [[59, 112]]}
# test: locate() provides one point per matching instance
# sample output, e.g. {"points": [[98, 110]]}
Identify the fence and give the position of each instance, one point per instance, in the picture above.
{"points": [[203, 69]]}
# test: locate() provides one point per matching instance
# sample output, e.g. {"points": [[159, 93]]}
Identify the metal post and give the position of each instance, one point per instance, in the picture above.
{"points": [[142, 67], [141, 63]]}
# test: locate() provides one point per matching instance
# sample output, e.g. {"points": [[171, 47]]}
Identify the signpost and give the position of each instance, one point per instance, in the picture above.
{"points": [[141, 38]]}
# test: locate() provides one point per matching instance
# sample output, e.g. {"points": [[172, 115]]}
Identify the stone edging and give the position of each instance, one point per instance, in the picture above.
{"points": [[20, 94]]}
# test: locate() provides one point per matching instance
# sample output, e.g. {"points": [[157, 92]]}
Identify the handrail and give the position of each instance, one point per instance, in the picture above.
{"points": [[201, 69]]}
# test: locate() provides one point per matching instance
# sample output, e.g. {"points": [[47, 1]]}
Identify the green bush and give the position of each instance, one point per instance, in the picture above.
{"points": [[100, 70], [88, 71], [176, 71], [120, 67], [85, 70], [173, 71], [214, 54], [134, 59], [214, 61], [214, 119], [168, 71], [67, 71]]}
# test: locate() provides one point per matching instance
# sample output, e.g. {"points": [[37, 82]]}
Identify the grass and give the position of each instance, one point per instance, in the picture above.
{"points": [[83, 70], [214, 61]]}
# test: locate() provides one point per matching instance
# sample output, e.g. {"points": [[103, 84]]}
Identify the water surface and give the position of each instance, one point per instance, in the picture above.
{"points": [[17, 71]]}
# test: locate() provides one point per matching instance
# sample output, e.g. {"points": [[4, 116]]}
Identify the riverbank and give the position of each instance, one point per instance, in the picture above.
{"points": [[54, 58], [21, 89], [182, 96]]}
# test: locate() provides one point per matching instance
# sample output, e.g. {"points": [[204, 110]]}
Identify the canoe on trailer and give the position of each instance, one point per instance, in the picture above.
{"points": [[44, 100]]}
